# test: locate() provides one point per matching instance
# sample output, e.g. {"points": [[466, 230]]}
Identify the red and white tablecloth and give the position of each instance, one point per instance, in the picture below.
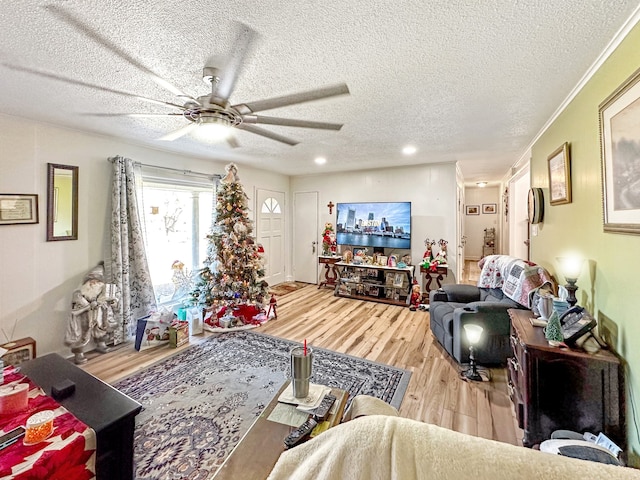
{"points": [[68, 454]]}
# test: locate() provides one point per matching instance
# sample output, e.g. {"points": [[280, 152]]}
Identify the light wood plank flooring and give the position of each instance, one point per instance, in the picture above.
{"points": [[383, 333]]}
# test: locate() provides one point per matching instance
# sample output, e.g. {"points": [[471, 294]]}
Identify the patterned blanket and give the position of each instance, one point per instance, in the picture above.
{"points": [[517, 278]]}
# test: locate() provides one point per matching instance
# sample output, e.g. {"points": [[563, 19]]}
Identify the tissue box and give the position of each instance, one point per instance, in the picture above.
{"points": [[178, 334]]}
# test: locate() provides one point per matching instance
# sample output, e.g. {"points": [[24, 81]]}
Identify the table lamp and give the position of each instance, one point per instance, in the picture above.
{"points": [[473, 332], [570, 267]]}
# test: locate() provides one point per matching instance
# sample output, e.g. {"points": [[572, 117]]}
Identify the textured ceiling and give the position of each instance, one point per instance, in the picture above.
{"points": [[467, 81]]}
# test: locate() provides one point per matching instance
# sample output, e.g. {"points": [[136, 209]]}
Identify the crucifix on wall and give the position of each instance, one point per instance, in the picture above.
{"points": [[330, 205]]}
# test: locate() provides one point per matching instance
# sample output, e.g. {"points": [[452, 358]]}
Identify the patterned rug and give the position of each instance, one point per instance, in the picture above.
{"points": [[199, 403]]}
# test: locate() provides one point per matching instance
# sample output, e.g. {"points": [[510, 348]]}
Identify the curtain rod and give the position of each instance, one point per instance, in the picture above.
{"points": [[183, 171]]}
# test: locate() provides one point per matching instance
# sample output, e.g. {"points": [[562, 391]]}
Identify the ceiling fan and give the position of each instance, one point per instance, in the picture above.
{"points": [[214, 109]]}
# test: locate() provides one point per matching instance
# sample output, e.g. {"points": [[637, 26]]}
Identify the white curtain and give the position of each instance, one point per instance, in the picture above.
{"points": [[129, 267]]}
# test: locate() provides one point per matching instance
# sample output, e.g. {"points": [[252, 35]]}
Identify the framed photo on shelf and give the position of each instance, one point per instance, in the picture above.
{"points": [[398, 279], [619, 119], [472, 210], [374, 291], [489, 208], [18, 208], [559, 175]]}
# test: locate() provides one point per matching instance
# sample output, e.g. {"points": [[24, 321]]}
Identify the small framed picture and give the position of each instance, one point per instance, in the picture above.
{"points": [[473, 210], [398, 279], [489, 208], [16, 209], [560, 175], [374, 291]]}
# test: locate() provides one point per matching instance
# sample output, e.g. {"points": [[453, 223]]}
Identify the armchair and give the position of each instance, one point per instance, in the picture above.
{"points": [[505, 282], [452, 306]]}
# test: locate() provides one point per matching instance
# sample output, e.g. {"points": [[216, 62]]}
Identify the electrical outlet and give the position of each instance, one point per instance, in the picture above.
{"points": [[608, 330]]}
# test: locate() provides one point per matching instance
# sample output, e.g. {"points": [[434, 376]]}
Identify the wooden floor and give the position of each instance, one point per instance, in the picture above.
{"points": [[383, 333]]}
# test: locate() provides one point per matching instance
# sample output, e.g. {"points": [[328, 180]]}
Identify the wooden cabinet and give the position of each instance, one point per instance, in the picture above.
{"points": [[556, 388], [374, 282]]}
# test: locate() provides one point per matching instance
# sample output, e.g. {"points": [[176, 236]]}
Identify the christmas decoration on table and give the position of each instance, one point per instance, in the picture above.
{"points": [[553, 330], [229, 285], [328, 238], [431, 262]]}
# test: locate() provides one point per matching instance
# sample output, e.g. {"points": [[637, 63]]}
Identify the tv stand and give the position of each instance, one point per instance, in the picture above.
{"points": [[375, 283]]}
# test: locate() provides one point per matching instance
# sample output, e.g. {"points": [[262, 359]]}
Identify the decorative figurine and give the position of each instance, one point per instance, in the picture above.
{"points": [[91, 314], [416, 296]]}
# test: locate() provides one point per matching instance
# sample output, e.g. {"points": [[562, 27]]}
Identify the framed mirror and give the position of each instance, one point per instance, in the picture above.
{"points": [[62, 202]]}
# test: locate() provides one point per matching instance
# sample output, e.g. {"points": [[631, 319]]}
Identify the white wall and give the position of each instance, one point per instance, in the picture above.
{"points": [[431, 189], [38, 277], [474, 225]]}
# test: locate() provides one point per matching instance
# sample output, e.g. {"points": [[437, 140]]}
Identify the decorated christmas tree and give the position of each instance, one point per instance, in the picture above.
{"points": [[230, 281]]}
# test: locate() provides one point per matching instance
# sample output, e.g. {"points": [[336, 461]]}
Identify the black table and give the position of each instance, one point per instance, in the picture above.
{"points": [[109, 412]]}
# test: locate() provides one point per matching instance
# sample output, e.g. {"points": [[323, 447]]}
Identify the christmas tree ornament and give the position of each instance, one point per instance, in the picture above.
{"points": [[553, 330]]}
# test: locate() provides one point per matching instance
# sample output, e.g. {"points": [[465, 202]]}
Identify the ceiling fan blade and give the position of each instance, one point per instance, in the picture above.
{"points": [[266, 133], [232, 141], [133, 115], [90, 85], [268, 104], [286, 122], [76, 23], [242, 48], [181, 132]]}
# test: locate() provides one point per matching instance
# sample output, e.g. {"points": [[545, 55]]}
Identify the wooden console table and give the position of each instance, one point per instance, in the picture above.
{"points": [[109, 412], [429, 276], [330, 271], [555, 388]]}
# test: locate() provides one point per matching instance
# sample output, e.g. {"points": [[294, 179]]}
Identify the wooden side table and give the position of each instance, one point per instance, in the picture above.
{"points": [[429, 276], [331, 274]]}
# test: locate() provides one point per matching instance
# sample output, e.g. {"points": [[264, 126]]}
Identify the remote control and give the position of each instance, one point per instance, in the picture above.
{"points": [[322, 411], [300, 433]]}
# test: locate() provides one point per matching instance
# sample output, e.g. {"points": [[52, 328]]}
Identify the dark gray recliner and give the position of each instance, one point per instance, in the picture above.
{"points": [[452, 306]]}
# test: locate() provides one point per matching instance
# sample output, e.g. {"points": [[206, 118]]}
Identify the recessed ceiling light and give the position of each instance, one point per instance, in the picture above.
{"points": [[409, 150], [320, 160], [481, 184]]}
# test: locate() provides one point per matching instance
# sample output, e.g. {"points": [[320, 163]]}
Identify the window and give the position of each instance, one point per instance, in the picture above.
{"points": [[177, 217], [271, 205]]}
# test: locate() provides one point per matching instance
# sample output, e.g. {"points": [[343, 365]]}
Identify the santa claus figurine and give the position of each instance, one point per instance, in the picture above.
{"points": [[416, 296]]}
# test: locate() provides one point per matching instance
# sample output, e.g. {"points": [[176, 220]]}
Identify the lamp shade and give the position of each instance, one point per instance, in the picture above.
{"points": [[571, 266], [474, 332]]}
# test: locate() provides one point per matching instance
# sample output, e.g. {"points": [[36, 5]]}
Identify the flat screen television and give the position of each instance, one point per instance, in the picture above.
{"points": [[376, 224]]}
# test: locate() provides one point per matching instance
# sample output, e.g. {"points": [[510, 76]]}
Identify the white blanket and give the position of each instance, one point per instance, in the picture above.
{"points": [[394, 448]]}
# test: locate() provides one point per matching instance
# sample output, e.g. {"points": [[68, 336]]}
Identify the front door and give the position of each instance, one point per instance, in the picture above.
{"points": [[305, 236], [270, 233]]}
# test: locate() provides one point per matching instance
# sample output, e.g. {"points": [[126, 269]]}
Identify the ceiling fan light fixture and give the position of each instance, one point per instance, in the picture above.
{"points": [[213, 128]]}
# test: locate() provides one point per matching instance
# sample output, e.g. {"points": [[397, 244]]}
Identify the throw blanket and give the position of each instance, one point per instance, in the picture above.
{"points": [[517, 278], [394, 448]]}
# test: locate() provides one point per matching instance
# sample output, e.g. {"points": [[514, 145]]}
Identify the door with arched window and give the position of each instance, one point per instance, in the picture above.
{"points": [[270, 233]]}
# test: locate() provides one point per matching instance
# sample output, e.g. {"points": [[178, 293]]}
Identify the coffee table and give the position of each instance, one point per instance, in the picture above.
{"points": [[258, 451]]}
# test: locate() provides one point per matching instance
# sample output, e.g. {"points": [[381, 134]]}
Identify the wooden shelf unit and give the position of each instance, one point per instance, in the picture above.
{"points": [[375, 283]]}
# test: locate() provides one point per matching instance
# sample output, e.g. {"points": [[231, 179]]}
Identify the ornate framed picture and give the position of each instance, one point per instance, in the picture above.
{"points": [[15, 209], [472, 210], [559, 175], [620, 143]]}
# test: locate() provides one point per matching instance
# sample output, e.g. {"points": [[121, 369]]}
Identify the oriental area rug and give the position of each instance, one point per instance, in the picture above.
{"points": [[198, 404]]}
